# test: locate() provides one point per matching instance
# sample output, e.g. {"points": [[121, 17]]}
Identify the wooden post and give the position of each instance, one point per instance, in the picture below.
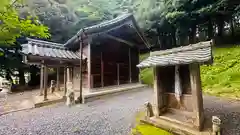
{"points": [[102, 70], [58, 74], [80, 98], [138, 69], [72, 73], [41, 79], [118, 79], [178, 87], [65, 81], [68, 74], [130, 65], [197, 100], [89, 67], [45, 82], [156, 99]]}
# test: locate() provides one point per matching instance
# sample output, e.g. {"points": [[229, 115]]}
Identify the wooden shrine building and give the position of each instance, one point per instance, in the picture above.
{"points": [[177, 84], [110, 52]]}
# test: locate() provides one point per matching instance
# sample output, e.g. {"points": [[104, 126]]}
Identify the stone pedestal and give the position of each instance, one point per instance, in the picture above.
{"points": [[53, 86], [70, 94]]}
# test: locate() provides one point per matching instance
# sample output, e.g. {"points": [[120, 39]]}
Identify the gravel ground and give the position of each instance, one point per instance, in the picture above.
{"points": [[227, 110], [109, 116]]}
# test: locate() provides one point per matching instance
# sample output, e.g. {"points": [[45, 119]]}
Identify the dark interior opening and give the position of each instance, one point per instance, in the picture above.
{"points": [[185, 79], [166, 76]]}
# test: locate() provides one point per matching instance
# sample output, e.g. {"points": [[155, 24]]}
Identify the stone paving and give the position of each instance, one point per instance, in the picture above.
{"points": [[109, 116]]}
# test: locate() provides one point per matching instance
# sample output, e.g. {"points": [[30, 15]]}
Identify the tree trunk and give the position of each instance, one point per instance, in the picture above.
{"points": [[173, 35], [21, 76], [160, 40], [210, 29], [220, 26], [232, 26], [192, 34]]}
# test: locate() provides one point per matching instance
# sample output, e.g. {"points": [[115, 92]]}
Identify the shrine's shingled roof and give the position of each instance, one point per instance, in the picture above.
{"points": [[125, 19], [48, 49], [199, 53]]}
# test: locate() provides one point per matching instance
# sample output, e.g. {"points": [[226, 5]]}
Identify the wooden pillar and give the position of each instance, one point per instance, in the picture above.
{"points": [[118, 78], [41, 80], [65, 81], [80, 98], [138, 69], [89, 67], [130, 65], [178, 86], [45, 82], [58, 79], [72, 73], [197, 100], [102, 70], [156, 100], [68, 74]]}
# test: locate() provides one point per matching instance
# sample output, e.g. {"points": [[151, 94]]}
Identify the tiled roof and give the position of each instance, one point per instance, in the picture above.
{"points": [[48, 49], [125, 19], [200, 52]]}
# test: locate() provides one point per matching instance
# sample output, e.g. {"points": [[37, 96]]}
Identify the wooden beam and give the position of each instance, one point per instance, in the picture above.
{"points": [[121, 40], [45, 82], [50, 60]]}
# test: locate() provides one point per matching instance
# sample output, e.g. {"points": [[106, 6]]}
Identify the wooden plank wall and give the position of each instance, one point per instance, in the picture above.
{"points": [[115, 60]]}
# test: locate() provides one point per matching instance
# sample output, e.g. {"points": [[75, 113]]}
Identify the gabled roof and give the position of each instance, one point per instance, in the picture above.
{"points": [[106, 26], [199, 53], [48, 49]]}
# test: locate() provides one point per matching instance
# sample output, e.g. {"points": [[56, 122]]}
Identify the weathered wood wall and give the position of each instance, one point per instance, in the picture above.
{"points": [[110, 64], [76, 80], [166, 77]]}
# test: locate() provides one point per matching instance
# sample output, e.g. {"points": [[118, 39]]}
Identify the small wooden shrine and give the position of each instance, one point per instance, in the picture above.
{"points": [[177, 84]]}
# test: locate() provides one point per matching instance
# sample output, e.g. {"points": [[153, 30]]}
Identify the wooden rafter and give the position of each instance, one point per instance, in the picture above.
{"points": [[120, 40]]}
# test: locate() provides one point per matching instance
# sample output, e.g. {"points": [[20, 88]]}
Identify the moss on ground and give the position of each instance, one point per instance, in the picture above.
{"points": [[220, 79], [145, 129]]}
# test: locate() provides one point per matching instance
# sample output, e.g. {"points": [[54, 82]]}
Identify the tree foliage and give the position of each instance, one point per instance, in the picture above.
{"points": [[12, 26], [173, 22], [166, 23]]}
